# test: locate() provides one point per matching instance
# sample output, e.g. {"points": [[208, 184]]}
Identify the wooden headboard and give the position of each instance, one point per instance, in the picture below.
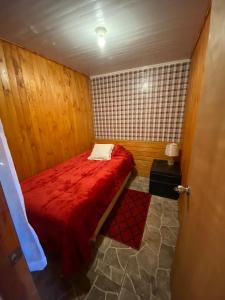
{"points": [[143, 153]]}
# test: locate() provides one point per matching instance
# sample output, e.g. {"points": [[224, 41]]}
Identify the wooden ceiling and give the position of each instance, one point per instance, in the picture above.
{"points": [[140, 32]]}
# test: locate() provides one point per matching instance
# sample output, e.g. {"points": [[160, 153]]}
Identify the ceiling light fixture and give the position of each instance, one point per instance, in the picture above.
{"points": [[101, 32]]}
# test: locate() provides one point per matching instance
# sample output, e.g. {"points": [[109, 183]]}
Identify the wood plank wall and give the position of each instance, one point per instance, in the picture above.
{"points": [[143, 153], [193, 97], [45, 109]]}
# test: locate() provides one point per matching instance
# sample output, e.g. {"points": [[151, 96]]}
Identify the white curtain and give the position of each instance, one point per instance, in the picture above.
{"points": [[30, 244]]}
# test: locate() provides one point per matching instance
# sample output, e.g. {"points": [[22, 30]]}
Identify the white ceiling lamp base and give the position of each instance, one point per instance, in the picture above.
{"points": [[101, 33]]}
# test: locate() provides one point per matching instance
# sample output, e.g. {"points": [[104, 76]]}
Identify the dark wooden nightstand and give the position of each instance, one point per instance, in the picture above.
{"points": [[164, 178]]}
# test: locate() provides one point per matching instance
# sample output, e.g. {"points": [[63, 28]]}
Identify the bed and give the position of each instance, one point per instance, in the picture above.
{"points": [[68, 204]]}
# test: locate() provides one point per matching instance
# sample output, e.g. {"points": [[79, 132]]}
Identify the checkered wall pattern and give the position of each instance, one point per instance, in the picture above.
{"points": [[141, 104]]}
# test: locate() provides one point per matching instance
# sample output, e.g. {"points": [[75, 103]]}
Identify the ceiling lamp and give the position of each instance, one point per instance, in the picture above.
{"points": [[101, 32]]}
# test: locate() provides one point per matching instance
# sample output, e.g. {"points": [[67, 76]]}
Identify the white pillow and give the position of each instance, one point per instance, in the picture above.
{"points": [[101, 152]]}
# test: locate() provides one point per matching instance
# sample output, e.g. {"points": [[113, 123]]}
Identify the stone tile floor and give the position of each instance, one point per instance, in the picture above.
{"points": [[118, 271]]}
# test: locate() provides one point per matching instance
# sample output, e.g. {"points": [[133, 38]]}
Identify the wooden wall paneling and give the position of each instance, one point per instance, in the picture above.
{"points": [[10, 111], [29, 89], [84, 109], [66, 117], [45, 110], [57, 126], [22, 98], [38, 90], [142, 151]]}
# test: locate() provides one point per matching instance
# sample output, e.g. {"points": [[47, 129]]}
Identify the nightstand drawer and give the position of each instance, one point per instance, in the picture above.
{"points": [[163, 189], [165, 178]]}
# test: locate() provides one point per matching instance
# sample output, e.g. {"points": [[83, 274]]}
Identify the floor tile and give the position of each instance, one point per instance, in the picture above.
{"points": [[107, 285], [162, 290], [95, 294], [152, 237], [111, 296], [126, 295], [170, 216], [166, 256], [147, 260], [169, 236], [132, 266], [112, 258], [137, 286], [154, 220], [116, 275], [103, 269]]}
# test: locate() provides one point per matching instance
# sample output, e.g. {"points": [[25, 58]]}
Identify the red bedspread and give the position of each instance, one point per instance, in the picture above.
{"points": [[64, 204]]}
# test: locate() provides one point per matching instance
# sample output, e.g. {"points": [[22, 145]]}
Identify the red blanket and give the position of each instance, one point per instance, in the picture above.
{"points": [[64, 204]]}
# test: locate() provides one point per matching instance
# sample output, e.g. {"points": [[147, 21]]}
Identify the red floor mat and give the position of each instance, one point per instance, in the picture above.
{"points": [[127, 220]]}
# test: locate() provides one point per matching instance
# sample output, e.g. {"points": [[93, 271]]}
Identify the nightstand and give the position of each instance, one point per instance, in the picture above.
{"points": [[164, 178]]}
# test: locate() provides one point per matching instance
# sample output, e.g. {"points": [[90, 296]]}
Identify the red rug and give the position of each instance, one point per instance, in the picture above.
{"points": [[127, 220]]}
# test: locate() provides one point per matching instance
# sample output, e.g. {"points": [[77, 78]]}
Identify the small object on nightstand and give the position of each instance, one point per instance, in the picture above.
{"points": [[164, 178], [172, 150]]}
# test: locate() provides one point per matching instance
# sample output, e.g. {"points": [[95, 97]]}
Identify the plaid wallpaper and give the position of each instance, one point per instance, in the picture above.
{"points": [[141, 104]]}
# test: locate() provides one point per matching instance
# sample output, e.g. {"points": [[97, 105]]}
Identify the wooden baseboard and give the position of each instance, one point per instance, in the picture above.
{"points": [[143, 153]]}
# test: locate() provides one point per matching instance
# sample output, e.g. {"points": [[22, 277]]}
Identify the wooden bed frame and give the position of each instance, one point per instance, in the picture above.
{"points": [[109, 208]]}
